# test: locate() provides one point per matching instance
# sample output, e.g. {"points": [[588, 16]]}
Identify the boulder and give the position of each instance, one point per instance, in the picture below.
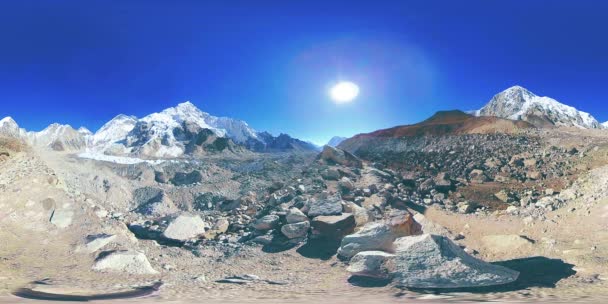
{"points": [[371, 264], [443, 183], [158, 204], [294, 215], [432, 261], [124, 261], [332, 156], [346, 185], [362, 216], [333, 226], [297, 230], [379, 236], [182, 178], [330, 174], [375, 236], [184, 227], [326, 204], [478, 176], [266, 222]]}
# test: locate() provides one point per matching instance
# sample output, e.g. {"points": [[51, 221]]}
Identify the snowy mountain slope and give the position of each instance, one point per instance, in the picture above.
{"points": [[60, 137], [173, 132], [114, 130], [8, 127], [605, 125], [518, 103], [184, 129]]}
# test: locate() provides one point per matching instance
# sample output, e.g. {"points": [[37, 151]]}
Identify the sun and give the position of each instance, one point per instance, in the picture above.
{"points": [[344, 91]]}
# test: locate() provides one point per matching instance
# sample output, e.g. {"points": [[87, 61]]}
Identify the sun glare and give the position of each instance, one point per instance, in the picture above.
{"points": [[344, 92]]}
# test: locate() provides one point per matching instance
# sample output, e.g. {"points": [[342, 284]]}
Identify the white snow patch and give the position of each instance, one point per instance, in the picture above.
{"points": [[117, 159]]}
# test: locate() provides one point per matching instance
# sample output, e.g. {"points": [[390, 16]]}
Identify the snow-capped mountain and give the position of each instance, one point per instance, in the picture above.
{"points": [[8, 127], [335, 141], [518, 103], [173, 132], [184, 129], [605, 125], [114, 130], [60, 137]]}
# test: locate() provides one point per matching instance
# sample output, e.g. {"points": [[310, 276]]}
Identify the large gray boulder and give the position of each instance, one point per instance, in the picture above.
{"points": [[296, 230], [433, 261], [184, 227], [333, 226], [266, 222], [371, 264], [294, 215], [326, 204], [124, 261], [375, 236], [379, 236], [333, 156]]}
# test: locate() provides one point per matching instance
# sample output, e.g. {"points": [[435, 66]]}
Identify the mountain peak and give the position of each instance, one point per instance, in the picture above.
{"points": [[518, 103], [8, 120], [186, 106]]}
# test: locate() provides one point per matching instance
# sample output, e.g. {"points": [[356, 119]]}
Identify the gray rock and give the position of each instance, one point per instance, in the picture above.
{"points": [[294, 215], [184, 227], [332, 156], [297, 230], [333, 226], [326, 205], [432, 261], [478, 176], [266, 222], [124, 261], [346, 185], [371, 264], [378, 236]]}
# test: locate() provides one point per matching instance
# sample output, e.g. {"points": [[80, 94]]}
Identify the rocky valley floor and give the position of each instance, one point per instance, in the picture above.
{"points": [[277, 227]]}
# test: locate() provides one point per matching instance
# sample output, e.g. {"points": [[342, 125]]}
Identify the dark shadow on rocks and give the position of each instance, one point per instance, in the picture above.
{"points": [[28, 293], [533, 272], [321, 248], [143, 233], [404, 205], [277, 247], [367, 282]]}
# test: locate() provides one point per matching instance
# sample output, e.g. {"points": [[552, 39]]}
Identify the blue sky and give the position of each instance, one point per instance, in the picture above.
{"points": [[270, 63]]}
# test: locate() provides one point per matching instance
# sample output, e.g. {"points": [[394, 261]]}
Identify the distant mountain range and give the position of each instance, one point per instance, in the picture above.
{"points": [[186, 130], [173, 132]]}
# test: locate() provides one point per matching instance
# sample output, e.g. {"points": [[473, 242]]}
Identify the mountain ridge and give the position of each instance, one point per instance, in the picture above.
{"points": [[518, 103], [172, 132]]}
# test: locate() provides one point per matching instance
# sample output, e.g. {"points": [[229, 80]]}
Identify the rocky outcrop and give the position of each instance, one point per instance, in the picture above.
{"points": [[379, 236], [432, 261], [332, 156]]}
